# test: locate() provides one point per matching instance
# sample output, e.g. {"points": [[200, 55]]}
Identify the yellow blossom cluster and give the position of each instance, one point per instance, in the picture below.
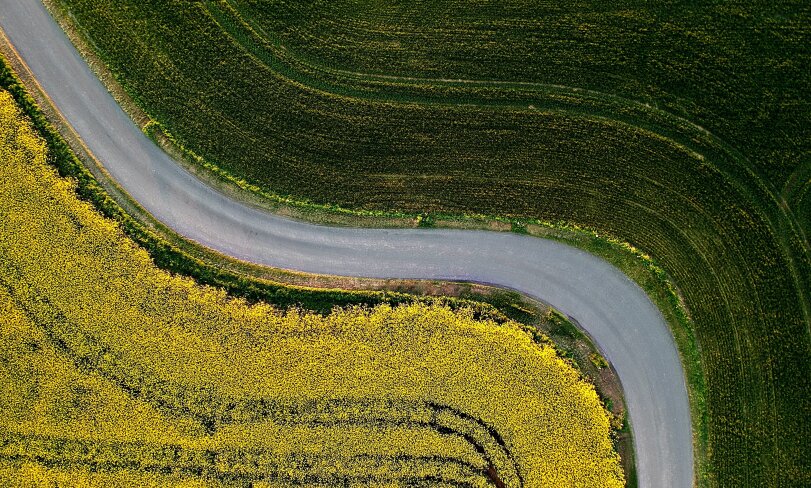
{"points": [[114, 372]]}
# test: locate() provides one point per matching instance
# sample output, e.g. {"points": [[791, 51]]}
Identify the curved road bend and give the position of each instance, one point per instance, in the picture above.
{"points": [[616, 313]]}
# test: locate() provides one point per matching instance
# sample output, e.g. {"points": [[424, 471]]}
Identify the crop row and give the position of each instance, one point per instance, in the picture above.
{"points": [[719, 65], [233, 464]]}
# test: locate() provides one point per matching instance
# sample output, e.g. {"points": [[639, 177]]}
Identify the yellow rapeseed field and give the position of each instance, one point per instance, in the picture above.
{"points": [[115, 373]]}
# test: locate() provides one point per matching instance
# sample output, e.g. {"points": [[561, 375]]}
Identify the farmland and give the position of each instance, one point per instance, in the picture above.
{"points": [[114, 371], [680, 129]]}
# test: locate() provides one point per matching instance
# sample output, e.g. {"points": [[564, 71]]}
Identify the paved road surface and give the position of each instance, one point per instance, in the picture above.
{"points": [[618, 315]]}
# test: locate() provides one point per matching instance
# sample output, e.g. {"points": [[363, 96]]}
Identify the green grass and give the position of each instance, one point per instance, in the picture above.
{"points": [[680, 129]]}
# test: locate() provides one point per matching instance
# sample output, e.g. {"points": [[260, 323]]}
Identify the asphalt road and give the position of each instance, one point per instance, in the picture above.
{"points": [[616, 313]]}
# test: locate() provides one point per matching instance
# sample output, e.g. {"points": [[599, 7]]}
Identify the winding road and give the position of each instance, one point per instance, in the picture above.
{"points": [[616, 312]]}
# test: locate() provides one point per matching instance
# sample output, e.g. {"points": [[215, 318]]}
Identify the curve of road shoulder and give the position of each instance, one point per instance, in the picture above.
{"points": [[616, 313]]}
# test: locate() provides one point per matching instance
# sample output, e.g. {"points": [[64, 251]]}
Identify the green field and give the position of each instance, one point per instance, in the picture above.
{"points": [[682, 129]]}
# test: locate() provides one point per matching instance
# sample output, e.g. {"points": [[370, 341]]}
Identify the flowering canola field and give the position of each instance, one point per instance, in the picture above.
{"points": [[114, 372]]}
